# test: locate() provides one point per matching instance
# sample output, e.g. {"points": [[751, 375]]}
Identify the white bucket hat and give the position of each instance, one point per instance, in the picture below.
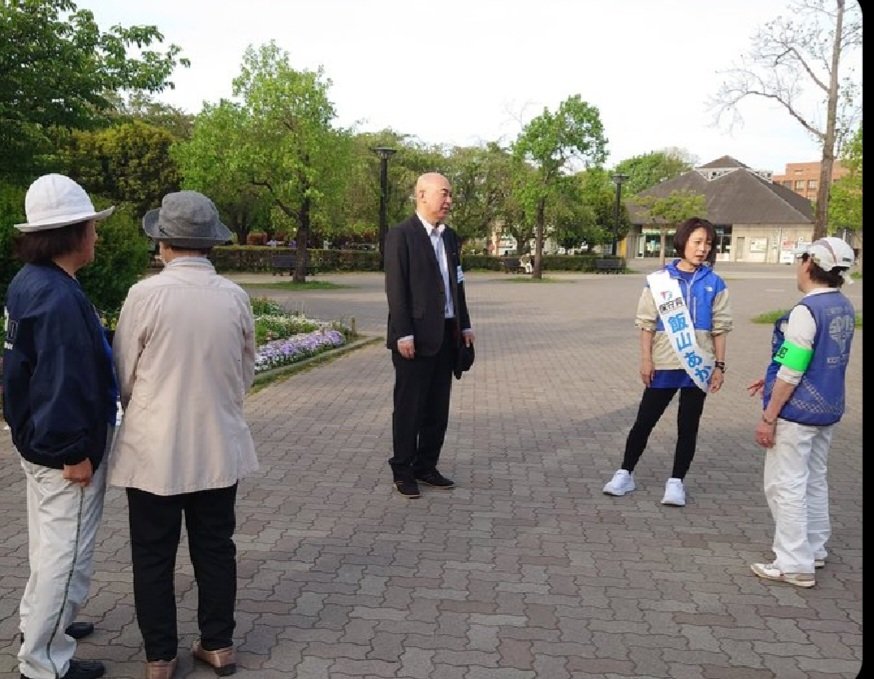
{"points": [[53, 201], [186, 219]]}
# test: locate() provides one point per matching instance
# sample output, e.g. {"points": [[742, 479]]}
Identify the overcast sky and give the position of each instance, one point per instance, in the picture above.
{"points": [[470, 71]]}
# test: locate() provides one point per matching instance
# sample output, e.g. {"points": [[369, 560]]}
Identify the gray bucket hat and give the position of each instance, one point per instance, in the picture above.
{"points": [[186, 219]]}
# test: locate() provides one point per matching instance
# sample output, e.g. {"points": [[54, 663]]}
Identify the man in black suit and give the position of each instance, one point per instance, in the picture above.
{"points": [[427, 322]]}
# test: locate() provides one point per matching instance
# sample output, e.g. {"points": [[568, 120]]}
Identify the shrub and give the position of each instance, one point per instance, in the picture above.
{"points": [[122, 255]]}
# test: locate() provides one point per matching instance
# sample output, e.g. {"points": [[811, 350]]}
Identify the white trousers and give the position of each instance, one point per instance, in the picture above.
{"points": [[796, 488], [62, 522]]}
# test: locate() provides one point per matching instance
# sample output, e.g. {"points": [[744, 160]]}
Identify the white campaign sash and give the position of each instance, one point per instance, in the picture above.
{"points": [[679, 328]]}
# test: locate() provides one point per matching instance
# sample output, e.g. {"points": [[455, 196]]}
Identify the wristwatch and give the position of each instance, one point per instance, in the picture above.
{"points": [[720, 365]]}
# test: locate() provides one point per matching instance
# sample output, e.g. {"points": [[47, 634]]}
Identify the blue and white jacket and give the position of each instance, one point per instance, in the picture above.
{"points": [[706, 297]]}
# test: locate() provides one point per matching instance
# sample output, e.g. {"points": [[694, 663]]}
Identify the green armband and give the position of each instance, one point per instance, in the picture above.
{"points": [[793, 356]]}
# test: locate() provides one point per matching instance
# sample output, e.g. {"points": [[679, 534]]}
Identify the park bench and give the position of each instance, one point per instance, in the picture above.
{"points": [[282, 263], [605, 265], [511, 265]]}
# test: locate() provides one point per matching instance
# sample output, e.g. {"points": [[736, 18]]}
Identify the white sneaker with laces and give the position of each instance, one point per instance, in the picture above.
{"points": [[675, 493], [621, 483], [769, 571]]}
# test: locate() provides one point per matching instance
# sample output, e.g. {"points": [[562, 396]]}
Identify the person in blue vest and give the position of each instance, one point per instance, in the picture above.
{"points": [[803, 398]]}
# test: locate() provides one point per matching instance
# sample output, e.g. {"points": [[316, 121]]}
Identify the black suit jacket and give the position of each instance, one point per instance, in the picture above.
{"points": [[414, 286]]}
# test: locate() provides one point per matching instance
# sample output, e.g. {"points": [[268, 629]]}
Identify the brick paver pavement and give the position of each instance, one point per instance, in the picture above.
{"points": [[525, 569]]}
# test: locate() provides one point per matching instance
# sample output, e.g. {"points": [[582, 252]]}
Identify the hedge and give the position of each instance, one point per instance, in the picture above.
{"points": [[257, 258]]}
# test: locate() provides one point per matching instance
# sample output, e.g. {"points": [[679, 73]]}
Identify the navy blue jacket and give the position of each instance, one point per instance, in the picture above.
{"points": [[58, 382]]}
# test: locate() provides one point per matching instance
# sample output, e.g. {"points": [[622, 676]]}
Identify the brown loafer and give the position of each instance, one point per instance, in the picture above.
{"points": [[160, 669], [223, 661]]}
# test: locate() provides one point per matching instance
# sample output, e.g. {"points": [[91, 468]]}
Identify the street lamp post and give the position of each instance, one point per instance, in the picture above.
{"points": [[384, 154], [618, 178]]}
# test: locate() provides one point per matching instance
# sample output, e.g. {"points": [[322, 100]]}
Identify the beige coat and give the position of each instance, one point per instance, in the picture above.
{"points": [[184, 352]]}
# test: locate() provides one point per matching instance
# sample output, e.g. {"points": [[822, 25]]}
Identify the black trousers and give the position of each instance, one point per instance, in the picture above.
{"points": [[155, 529], [652, 406], [421, 408]]}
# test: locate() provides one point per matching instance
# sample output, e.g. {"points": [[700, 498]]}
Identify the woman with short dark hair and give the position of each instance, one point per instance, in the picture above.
{"points": [[683, 315]]}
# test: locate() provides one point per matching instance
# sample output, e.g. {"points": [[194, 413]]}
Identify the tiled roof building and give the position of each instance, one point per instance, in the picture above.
{"points": [[756, 219]]}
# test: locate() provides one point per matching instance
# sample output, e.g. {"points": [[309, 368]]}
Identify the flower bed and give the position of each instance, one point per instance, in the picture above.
{"points": [[296, 348], [283, 339]]}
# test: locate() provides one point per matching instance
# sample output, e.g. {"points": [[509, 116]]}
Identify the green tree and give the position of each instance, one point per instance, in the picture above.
{"points": [[11, 212], [481, 179], [649, 169], [599, 194], [550, 143], [571, 219], [127, 163], [280, 141], [141, 106], [120, 258], [805, 48], [211, 162], [59, 69], [674, 208], [359, 222], [512, 216], [845, 206]]}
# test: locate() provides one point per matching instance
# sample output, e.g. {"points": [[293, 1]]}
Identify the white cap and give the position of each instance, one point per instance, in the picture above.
{"points": [[831, 252], [53, 201]]}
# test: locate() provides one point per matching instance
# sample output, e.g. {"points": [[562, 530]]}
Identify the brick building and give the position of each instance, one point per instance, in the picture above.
{"points": [[803, 178]]}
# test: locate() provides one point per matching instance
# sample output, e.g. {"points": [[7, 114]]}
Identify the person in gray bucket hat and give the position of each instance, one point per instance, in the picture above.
{"points": [[184, 353]]}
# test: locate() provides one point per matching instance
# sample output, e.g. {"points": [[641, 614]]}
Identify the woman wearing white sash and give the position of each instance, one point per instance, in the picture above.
{"points": [[685, 294]]}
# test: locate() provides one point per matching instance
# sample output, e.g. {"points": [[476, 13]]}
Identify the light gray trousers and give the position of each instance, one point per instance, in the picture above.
{"points": [[62, 522]]}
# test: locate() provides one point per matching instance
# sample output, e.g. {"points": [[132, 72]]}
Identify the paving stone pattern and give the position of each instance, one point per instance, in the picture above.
{"points": [[525, 570]]}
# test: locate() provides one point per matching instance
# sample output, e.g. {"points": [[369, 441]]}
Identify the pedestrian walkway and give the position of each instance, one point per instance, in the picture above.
{"points": [[525, 570]]}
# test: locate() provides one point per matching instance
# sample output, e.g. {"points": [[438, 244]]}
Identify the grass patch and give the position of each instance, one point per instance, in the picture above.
{"points": [[292, 285], [770, 317]]}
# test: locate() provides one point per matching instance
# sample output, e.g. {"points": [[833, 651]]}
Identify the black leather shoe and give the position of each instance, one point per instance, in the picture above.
{"points": [[409, 489], [80, 630], [77, 630], [83, 669], [436, 479]]}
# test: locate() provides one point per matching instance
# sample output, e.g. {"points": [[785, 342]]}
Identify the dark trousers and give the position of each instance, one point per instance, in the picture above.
{"points": [[652, 406], [421, 408], [155, 528]]}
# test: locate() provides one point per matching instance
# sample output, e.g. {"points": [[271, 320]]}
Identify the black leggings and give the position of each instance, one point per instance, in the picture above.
{"points": [[652, 406]]}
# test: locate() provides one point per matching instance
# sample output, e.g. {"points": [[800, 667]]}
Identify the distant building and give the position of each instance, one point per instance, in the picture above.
{"points": [[756, 219], [803, 178]]}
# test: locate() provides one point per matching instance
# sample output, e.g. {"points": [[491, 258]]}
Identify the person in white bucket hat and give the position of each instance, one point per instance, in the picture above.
{"points": [[185, 353], [803, 394], [60, 405]]}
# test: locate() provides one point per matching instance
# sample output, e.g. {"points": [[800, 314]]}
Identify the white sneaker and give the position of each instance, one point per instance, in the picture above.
{"points": [[769, 571], [621, 483], [675, 493]]}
